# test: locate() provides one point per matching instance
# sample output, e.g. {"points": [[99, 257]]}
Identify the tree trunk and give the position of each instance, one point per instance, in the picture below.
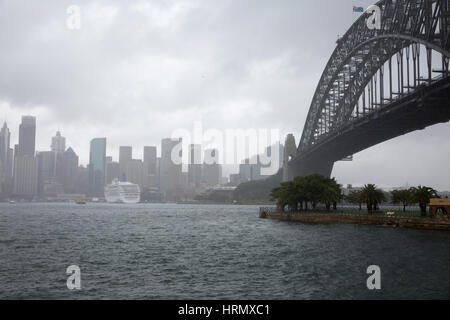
{"points": [[423, 209]]}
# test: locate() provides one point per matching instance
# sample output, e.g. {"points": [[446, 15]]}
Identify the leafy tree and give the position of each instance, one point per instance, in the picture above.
{"points": [[403, 196], [356, 197], [286, 195], [372, 196], [313, 186], [312, 189], [331, 193], [422, 196], [279, 195]]}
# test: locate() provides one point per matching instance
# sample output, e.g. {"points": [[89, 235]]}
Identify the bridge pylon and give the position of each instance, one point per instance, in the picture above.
{"points": [[290, 152]]}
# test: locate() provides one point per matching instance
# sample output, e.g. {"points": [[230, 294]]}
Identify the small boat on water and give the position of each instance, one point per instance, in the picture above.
{"points": [[80, 201]]}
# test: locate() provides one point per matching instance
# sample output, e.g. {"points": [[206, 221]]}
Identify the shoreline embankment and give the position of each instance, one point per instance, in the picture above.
{"points": [[442, 223]]}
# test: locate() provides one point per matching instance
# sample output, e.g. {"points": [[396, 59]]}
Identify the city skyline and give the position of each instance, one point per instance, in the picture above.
{"points": [[130, 96], [56, 173], [221, 156], [138, 154]]}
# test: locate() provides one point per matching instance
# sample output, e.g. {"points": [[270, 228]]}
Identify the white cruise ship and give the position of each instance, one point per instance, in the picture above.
{"points": [[122, 192]]}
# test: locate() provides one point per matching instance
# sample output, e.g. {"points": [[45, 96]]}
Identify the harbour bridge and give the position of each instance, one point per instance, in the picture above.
{"points": [[378, 84]]}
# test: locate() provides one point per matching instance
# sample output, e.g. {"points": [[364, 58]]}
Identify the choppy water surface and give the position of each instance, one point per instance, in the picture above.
{"points": [[209, 252]]}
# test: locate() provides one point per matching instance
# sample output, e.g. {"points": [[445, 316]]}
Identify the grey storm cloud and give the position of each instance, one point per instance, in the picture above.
{"points": [[137, 70]]}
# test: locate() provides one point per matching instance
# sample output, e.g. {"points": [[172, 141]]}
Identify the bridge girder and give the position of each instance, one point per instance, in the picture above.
{"points": [[357, 66]]}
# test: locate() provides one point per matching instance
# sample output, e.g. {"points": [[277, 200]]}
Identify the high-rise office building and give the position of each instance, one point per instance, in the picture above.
{"points": [[212, 170], [195, 165], [158, 173], [276, 162], [16, 151], [58, 143], [27, 137], [6, 160], [245, 171], [68, 172], [170, 171], [150, 179], [97, 156], [25, 176], [125, 154], [150, 159], [252, 169], [112, 171], [47, 166], [135, 172], [25, 162], [82, 180]]}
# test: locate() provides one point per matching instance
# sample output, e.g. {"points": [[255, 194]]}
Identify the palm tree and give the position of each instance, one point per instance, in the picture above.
{"points": [[356, 197], [403, 196], [372, 197], [422, 196]]}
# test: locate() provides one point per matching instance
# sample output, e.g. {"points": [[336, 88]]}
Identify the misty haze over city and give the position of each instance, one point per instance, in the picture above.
{"points": [[224, 158], [136, 71]]}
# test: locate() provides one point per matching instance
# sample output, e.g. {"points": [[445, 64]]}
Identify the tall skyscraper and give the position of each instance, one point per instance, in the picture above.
{"points": [[82, 180], [68, 172], [25, 162], [97, 156], [195, 165], [6, 162], [150, 159], [245, 170], [27, 137], [212, 170], [125, 154], [112, 171], [25, 176], [150, 168], [58, 143], [47, 164], [158, 173], [135, 172], [170, 172]]}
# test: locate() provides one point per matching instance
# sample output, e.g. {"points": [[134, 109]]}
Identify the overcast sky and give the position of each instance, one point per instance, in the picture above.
{"points": [[138, 70]]}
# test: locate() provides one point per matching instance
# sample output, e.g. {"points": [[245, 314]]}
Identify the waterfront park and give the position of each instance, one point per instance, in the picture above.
{"points": [[318, 194]]}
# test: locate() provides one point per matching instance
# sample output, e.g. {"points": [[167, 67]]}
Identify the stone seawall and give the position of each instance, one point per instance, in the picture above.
{"points": [[418, 223]]}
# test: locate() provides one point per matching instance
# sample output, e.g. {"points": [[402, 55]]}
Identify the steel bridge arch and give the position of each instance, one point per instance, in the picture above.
{"points": [[405, 23], [412, 39], [350, 99]]}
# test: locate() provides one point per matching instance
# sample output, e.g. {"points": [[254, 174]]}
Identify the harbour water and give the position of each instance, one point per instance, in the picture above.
{"points": [[156, 251]]}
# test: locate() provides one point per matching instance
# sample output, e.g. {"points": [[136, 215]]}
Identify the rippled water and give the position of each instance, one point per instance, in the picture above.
{"points": [[209, 252]]}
